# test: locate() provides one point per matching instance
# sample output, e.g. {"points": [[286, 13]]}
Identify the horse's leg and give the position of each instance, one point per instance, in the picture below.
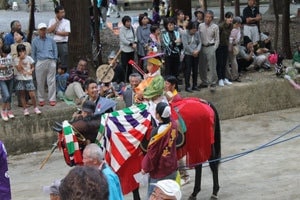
{"points": [[214, 166], [136, 194], [197, 186]]}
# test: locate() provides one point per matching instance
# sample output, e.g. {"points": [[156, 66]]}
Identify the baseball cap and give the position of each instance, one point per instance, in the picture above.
{"points": [[52, 189], [42, 25], [169, 187]]}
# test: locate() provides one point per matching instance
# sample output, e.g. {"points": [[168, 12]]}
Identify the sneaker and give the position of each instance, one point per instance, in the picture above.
{"points": [[26, 112], [227, 82], [4, 116], [10, 114], [221, 83], [37, 111]]}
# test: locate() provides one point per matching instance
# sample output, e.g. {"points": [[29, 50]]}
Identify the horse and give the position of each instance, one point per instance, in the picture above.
{"points": [[202, 141]]}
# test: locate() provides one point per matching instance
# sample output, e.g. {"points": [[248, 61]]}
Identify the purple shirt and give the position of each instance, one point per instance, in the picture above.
{"points": [[4, 177]]}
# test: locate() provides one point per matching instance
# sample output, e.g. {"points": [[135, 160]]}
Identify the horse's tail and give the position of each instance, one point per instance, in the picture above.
{"points": [[217, 133]]}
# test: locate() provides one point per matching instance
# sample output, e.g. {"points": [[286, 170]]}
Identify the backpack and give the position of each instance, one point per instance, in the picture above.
{"points": [[273, 58]]}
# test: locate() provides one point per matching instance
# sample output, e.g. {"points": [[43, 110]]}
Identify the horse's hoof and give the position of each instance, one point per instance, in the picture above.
{"points": [[192, 197], [213, 196]]}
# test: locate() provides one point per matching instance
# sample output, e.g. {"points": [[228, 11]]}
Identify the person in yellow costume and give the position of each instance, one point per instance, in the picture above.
{"points": [[153, 68]]}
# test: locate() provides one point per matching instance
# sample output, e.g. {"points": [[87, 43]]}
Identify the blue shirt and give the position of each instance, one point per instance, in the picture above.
{"points": [[114, 186], [9, 39], [61, 82], [43, 48]]}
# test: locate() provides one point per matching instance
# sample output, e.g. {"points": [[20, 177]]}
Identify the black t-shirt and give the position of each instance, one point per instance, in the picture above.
{"points": [[250, 12]]}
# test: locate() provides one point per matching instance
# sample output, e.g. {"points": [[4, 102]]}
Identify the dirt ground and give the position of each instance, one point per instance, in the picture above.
{"points": [[270, 173]]}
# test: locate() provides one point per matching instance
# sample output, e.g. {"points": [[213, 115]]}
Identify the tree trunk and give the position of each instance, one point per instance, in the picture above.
{"points": [[279, 6], [221, 10], [204, 4], [3, 4], [31, 21], [185, 6], [97, 32], [80, 45], [275, 4], [237, 11], [286, 45]]}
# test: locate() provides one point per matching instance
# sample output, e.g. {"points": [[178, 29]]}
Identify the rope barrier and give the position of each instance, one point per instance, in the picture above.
{"points": [[238, 155]]}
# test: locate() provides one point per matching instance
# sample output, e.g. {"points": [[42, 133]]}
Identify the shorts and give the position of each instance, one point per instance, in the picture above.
{"points": [[27, 85]]}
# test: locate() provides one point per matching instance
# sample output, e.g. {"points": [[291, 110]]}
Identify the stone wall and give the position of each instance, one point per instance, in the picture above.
{"points": [[34, 133]]}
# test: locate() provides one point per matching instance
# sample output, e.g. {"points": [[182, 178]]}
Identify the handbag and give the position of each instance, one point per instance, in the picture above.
{"points": [[235, 50]]}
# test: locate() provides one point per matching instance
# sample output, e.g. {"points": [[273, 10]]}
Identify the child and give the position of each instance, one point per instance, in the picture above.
{"points": [[61, 81], [6, 82], [234, 41], [24, 70]]}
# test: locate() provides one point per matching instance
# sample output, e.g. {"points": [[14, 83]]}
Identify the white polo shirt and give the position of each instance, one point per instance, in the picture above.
{"points": [[64, 26]]}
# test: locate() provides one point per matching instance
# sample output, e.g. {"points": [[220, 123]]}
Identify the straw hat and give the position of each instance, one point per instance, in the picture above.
{"points": [[105, 73], [153, 58]]}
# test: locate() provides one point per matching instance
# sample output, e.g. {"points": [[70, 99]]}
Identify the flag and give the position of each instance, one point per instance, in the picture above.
{"points": [[72, 145], [121, 132]]}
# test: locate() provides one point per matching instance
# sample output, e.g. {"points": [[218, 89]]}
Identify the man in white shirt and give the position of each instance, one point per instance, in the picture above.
{"points": [[61, 28]]}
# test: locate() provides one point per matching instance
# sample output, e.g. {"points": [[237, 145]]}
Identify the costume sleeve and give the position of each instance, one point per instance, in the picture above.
{"points": [[152, 156]]}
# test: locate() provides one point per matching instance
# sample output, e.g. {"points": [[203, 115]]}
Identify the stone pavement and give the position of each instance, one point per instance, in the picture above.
{"points": [[269, 174]]}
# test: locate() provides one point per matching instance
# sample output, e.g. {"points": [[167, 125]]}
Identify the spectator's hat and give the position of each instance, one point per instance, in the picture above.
{"points": [[88, 106], [52, 189], [42, 25], [198, 10], [169, 187], [105, 73], [153, 58]]}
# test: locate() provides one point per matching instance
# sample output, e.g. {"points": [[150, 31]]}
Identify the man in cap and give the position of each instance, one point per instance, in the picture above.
{"points": [[166, 189], [44, 53], [160, 161], [53, 190], [93, 156]]}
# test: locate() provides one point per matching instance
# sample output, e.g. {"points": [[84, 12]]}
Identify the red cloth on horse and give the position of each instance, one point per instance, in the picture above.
{"points": [[199, 120], [130, 167]]}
